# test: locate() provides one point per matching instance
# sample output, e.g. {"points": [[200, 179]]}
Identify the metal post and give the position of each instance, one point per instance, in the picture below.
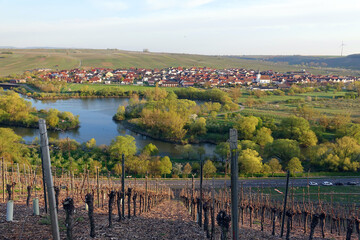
{"points": [[123, 184], [285, 200], [49, 180], [234, 183]]}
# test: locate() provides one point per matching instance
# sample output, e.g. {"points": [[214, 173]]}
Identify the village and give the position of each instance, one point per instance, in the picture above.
{"points": [[189, 77]]}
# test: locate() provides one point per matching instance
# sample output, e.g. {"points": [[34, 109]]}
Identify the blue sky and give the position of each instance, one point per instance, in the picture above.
{"points": [[224, 27]]}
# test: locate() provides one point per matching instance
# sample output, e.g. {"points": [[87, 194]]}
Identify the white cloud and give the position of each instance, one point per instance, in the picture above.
{"points": [[276, 26]]}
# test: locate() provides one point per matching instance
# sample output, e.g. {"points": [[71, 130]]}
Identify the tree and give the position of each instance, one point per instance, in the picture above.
{"points": [[223, 150], [263, 137], [274, 165], [266, 168], [120, 114], [166, 165], [246, 126], [298, 128], [198, 127], [235, 93], [294, 165], [10, 145], [283, 149], [122, 145], [187, 151], [209, 168], [245, 144], [117, 168], [187, 169], [52, 118], [250, 161], [91, 143], [177, 169], [150, 149]]}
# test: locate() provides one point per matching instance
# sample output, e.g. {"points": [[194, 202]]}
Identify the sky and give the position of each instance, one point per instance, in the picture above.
{"points": [[211, 27]]}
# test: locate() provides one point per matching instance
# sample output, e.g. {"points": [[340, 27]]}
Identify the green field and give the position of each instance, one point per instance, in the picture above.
{"points": [[26, 59]]}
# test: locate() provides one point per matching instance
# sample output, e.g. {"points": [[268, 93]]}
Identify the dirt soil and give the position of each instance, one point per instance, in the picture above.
{"points": [[168, 220]]}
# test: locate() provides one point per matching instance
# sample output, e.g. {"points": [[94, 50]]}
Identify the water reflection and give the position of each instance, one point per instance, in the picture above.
{"points": [[95, 116]]}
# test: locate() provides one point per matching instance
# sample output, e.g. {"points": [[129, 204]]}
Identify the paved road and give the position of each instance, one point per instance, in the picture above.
{"points": [[267, 182]]}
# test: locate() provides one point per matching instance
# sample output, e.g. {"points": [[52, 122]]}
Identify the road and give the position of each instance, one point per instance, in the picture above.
{"points": [[256, 182]]}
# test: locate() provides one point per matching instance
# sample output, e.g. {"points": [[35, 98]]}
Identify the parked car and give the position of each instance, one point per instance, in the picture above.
{"points": [[326, 183], [313, 184], [338, 184], [351, 183]]}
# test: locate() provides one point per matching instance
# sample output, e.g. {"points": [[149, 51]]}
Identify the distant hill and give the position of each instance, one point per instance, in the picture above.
{"points": [[21, 60], [348, 62]]}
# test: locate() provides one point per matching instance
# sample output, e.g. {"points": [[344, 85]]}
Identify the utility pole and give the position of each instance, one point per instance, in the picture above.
{"points": [[49, 181], [234, 183]]}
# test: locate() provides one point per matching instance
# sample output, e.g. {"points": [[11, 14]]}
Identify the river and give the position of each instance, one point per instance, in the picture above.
{"points": [[95, 116]]}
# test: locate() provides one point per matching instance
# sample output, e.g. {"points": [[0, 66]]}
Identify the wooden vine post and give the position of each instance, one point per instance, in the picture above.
{"points": [[89, 200], [3, 177], [285, 201], [234, 183], [123, 184]]}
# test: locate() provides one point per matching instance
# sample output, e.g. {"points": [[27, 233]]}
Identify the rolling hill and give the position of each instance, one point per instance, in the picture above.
{"points": [[19, 60]]}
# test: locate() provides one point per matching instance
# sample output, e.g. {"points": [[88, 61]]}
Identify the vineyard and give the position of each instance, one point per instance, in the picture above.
{"points": [[305, 215], [94, 205]]}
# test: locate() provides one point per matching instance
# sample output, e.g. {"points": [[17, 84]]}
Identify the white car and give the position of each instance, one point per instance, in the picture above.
{"points": [[326, 183], [313, 184]]}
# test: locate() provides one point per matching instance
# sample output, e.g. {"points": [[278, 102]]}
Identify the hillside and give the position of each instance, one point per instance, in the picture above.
{"points": [[20, 60], [347, 62]]}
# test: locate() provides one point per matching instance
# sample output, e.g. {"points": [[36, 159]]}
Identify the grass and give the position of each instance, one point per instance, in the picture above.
{"points": [[27, 59]]}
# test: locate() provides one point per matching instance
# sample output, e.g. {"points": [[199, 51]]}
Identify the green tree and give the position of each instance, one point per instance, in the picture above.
{"points": [[122, 145], [223, 150], [266, 168], [245, 144], [250, 161], [52, 118], [91, 143], [209, 168], [298, 128], [198, 127], [11, 147], [274, 165], [120, 114], [246, 127], [294, 166], [283, 149], [166, 165], [263, 137], [150, 149]]}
